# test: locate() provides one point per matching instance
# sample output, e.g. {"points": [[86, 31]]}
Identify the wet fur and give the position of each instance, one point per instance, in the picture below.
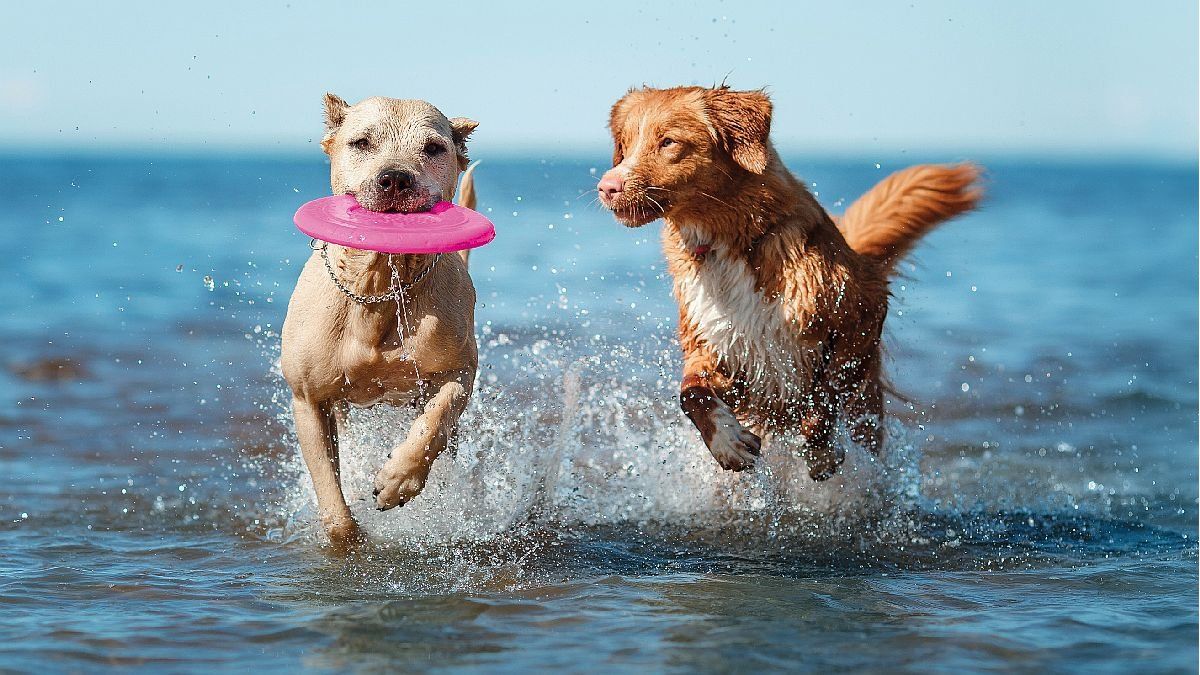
{"points": [[337, 352], [780, 311]]}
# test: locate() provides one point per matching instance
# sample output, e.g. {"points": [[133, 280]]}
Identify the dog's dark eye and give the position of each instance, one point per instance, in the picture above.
{"points": [[360, 144], [434, 149], [667, 142]]}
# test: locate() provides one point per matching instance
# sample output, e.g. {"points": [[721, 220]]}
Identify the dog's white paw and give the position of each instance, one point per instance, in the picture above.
{"points": [[398, 482], [734, 447]]}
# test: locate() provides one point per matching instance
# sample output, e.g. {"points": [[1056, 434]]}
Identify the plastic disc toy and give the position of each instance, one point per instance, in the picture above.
{"points": [[444, 228]]}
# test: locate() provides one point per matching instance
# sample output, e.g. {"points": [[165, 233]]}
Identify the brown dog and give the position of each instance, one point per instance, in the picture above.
{"points": [[780, 311], [365, 327]]}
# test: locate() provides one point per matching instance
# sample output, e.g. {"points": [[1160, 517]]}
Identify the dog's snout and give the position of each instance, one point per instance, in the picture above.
{"points": [[612, 184], [394, 180]]}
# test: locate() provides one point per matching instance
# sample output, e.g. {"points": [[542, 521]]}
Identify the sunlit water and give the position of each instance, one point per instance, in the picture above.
{"points": [[1035, 509]]}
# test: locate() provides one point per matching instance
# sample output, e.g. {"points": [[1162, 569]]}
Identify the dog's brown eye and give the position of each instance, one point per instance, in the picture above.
{"points": [[434, 149], [667, 142], [360, 144]]}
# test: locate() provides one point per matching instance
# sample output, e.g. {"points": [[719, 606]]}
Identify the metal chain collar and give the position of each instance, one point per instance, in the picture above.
{"points": [[397, 289]]}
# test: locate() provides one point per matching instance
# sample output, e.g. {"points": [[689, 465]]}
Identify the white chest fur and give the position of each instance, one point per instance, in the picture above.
{"points": [[760, 339]]}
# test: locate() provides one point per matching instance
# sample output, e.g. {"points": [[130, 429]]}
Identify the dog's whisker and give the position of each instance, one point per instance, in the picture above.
{"points": [[723, 171], [720, 201]]}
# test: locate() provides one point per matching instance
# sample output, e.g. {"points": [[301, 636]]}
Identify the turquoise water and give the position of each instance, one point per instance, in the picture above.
{"points": [[1036, 508]]}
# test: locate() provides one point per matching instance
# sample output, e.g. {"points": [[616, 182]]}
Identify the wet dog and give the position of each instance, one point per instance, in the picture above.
{"points": [[780, 308], [365, 327]]}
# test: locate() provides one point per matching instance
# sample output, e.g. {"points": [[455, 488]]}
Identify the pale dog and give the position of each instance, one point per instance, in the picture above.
{"points": [[393, 155]]}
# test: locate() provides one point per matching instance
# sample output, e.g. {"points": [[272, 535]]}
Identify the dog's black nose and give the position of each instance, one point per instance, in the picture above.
{"points": [[394, 180]]}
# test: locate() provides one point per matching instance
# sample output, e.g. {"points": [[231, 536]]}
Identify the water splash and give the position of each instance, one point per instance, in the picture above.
{"points": [[561, 442]]}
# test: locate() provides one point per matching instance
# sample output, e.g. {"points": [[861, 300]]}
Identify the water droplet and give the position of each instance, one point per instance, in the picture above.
{"points": [[208, 282]]}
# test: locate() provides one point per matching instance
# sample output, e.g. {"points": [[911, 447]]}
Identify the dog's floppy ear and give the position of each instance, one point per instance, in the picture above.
{"points": [[616, 123], [335, 114], [740, 121], [460, 129]]}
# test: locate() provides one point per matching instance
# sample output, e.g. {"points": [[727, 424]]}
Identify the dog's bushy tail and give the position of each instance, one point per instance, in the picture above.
{"points": [[466, 197], [887, 221]]}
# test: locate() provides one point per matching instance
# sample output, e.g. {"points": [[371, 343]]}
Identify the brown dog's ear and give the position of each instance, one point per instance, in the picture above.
{"points": [[740, 121], [460, 129], [335, 114], [616, 122]]}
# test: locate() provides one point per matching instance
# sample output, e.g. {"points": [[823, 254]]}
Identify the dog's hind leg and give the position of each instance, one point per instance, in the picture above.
{"points": [[316, 430], [403, 475]]}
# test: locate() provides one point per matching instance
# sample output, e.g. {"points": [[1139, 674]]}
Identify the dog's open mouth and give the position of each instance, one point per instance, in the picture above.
{"points": [[403, 204]]}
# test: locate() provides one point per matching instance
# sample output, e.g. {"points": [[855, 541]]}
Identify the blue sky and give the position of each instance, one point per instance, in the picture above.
{"points": [[1043, 78]]}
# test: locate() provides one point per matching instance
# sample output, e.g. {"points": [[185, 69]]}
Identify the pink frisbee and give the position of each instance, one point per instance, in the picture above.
{"points": [[444, 228]]}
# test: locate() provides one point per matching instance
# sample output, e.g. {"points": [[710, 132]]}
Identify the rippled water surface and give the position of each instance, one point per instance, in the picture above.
{"points": [[1036, 508]]}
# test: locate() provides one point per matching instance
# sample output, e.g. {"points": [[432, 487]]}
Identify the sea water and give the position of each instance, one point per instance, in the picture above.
{"points": [[1035, 508]]}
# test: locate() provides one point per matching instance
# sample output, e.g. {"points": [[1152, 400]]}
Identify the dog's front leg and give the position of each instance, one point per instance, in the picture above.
{"points": [[316, 430], [403, 476], [732, 445], [818, 412], [859, 384]]}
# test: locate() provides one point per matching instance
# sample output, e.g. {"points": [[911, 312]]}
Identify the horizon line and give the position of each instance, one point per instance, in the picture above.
{"points": [[582, 152]]}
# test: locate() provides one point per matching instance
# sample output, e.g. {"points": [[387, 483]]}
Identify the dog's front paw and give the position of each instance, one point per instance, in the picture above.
{"points": [[398, 482], [734, 447], [823, 463], [344, 534]]}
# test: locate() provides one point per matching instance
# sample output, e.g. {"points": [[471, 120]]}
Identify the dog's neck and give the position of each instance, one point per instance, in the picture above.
{"points": [[752, 206], [370, 273]]}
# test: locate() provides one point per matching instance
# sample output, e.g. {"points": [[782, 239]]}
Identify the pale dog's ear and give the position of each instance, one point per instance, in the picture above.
{"points": [[740, 122], [460, 129], [335, 114]]}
